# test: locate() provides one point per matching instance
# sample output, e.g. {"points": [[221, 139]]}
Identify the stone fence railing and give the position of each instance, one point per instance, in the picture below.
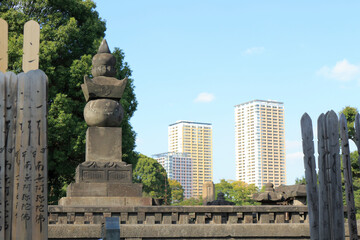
{"points": [[180, 214], [182, 222]]}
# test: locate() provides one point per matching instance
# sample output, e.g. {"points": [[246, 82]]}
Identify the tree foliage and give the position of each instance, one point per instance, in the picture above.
{"points": [[356, 181], [71, 32], [190, 202], [177, 191], [301, 180], [350, 114], [237, 192], [153, 177]]}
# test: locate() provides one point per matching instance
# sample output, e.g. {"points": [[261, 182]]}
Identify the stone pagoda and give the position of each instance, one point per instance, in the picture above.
{"points": [[104, 179]]}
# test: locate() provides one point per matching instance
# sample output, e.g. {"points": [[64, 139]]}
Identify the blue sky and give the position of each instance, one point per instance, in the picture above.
{"points": [[195, 59]]}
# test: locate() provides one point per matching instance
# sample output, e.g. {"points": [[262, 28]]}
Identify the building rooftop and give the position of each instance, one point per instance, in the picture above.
{"points": [[176, 154], [189, 122], [263, 101]]}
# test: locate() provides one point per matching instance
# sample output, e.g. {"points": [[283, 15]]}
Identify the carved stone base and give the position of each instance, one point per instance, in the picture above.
{"points": [[109, 189], [115, 172], [104, 184], [105, 201]]}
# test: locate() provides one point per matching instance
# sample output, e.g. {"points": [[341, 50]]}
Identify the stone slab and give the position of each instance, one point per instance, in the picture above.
{"points": [[103, 144], [81, 231], [105, 201], [208, 192], [184, 231], [104, 190]]}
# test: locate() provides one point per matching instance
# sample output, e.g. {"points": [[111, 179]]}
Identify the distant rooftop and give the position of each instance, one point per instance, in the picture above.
{"points": [[263, 101], [176, 154], [189, 122]]}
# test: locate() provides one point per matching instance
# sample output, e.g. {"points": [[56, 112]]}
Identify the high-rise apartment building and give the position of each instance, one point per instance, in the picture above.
{"points": [[260, 142], [178, 167], [194, 139]]}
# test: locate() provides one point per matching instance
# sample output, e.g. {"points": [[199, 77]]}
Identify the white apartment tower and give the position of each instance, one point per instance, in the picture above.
{"points": [[260, 143], [194, 139], [178, 166]]}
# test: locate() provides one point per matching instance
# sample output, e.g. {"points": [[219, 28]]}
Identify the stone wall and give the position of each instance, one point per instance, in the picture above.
{"points": [[179, 214], [185, 222], [190, 232]]}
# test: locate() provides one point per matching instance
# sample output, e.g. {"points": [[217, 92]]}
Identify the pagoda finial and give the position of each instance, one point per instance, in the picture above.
{"points": [[103, 63], [104, 48]]}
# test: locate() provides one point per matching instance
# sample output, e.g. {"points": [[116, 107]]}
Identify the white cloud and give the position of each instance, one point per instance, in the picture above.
{"points": [[254, 50], [205, 97], [342, 71]]}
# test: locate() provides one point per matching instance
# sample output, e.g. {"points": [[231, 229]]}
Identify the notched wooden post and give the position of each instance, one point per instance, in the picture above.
{"points": [[357, 134], [349, 193], [23, 142], [332, 146], [10, 119], [31, 46], [324, 224], [18, 132], [2, 155], [310, 174], [39, 126], [3, 45]]}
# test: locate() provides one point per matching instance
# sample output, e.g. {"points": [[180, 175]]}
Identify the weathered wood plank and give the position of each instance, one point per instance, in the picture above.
{"points": [[357, 134], [333, 158], [324, 224], [10, 118], [39, 214], [21, 78], [2, 154], [349, 196], [31, 46], [3, 45], [24, 223], [310, 174]]}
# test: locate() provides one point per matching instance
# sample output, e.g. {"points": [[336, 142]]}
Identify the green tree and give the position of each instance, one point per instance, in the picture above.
{"points": [[71, 32], [177, 191], [356, 181], [129, 103], [153, 177], [350, 114], [301, 180], [236, 191], [190, 202]]}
